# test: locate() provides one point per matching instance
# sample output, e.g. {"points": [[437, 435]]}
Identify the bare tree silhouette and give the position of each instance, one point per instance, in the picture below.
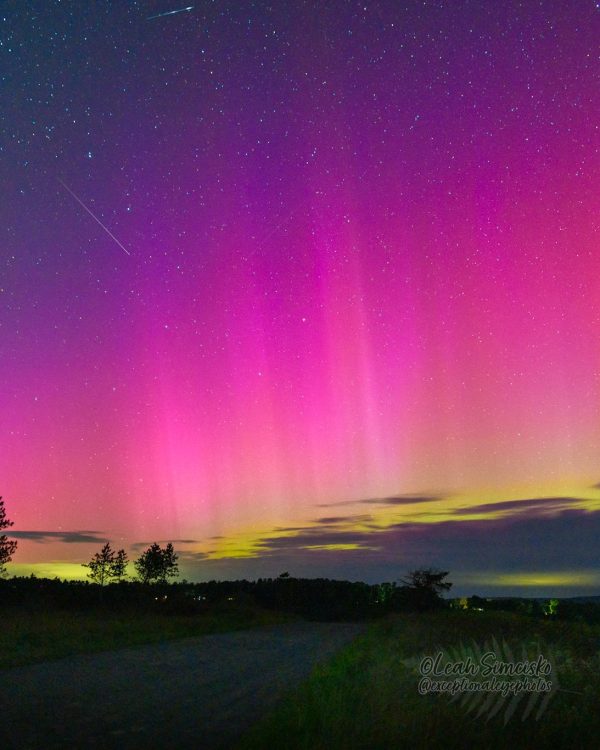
{"points": [[7, 546]]}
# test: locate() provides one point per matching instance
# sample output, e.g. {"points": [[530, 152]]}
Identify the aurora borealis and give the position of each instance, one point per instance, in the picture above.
{"points": [[356, 325]]}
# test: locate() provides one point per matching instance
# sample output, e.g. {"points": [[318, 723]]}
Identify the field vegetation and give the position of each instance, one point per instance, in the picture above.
{"points": [[367, 697]]}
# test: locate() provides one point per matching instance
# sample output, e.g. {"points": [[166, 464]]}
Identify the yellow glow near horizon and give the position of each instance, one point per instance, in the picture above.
{"points": [[529, 579], [63, 569]]}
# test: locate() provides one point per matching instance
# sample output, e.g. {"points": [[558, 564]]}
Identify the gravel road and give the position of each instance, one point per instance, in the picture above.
{"points": [[196, 693]]}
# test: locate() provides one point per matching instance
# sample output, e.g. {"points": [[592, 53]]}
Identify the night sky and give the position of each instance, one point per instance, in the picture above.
{"points": [[305, 286]]}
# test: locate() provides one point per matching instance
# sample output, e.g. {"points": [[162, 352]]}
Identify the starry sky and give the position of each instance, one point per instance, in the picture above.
{"points": [[306, 286]]}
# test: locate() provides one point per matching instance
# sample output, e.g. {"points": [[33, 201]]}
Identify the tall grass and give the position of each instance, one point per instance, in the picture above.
{"points": [[367, 696]]}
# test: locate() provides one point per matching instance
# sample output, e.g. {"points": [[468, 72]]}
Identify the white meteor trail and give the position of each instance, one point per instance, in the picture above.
{"points": [[82, 204], [171, 12]]}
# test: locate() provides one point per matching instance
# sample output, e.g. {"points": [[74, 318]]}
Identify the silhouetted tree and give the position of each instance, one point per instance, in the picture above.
{"points": [[7, 546], [425, 587], [107, 565], [119, 568], [157, 564]]}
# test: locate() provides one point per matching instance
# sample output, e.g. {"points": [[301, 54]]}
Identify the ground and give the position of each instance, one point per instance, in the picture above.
{"points": [[196, 693]]}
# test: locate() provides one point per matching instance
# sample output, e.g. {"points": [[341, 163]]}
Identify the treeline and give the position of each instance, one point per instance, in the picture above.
{"points": [[558, 609], [312, 598]]}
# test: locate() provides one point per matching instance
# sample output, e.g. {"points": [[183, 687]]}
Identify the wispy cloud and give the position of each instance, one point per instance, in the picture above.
{"points": [[315, 537], [334, 520], [192, 556], [143, 545], [68, 537], [391, 500], [534, 505]]}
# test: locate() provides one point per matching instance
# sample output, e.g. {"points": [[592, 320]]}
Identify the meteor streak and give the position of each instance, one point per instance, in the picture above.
{"points": [[171, 12], [81, 203]]}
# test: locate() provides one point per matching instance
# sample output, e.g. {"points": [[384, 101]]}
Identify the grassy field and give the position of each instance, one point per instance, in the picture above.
{"points": [[368, 698], [26, 637]]}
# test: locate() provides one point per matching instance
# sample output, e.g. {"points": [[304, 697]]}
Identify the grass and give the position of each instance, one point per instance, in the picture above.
{"points": [[367, 696], [27, 638]]}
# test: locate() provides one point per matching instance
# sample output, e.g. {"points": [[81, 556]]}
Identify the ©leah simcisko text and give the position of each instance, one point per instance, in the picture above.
{"points": [[491, 675]]}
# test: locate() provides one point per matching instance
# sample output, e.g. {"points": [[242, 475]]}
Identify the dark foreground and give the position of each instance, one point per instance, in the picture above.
{"points": [[195, 693]]}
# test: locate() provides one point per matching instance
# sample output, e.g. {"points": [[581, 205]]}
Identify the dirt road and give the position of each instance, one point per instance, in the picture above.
{"points": [[197, 693]]}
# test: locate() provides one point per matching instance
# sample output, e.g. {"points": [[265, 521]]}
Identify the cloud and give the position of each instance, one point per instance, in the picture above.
{"points": [[489, 557], [287, 529], [315, 537], [522, 540], [144, 545], [331, 520], [68, 537], [565, 540], [192, 556], [528, 504], [391, 500], [403, 499]]}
